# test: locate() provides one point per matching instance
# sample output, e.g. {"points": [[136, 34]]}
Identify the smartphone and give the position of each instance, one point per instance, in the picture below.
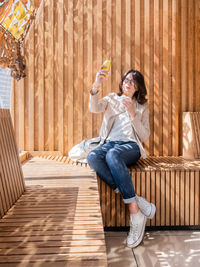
{"points": [[107, 63]]}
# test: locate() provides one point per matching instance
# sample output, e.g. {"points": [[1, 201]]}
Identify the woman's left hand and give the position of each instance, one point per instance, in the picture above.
{"points": [[128, 103]]}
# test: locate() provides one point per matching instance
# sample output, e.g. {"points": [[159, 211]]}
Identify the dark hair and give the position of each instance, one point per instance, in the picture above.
{"points": [[138, 78]]}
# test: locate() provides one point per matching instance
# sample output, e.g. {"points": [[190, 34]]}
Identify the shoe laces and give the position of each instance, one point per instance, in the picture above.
{"points": [[133, 230]]}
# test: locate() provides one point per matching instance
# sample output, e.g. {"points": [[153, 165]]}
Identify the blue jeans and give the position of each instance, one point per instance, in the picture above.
{"points": [[110, 162]]}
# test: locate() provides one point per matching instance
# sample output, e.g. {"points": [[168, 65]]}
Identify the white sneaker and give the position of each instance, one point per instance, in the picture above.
{"points": [[147, 208], [137, 228]]}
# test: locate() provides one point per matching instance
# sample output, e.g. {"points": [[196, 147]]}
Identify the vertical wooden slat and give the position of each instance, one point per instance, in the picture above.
{"points": [[191, 197], [191, 55], [197, 53], [182, 198], [148, 190], [158, 200], [163, 198], [78, 67], [156, 78], [108, 47], [118, 41], [177, 198], [113, 209], [166, 85], [108, 204], [127, 36], [153, 193], [146, 45], [49, 74], [172, 198], [197, 199], [137, 35], [30, 93], [167, 197], [187, 198], [41, 48], [169, 76], [160, 72], [175, 79], [60, 52], [103, 203]]}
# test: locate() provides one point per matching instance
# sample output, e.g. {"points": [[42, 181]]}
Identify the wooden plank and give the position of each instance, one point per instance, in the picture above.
{"points": [[175, 78], [163, 198], [196, 201], [158, 198], [165, 82], [60, 52], [41, 85], [148, 190], [191, 196], [69, 131], [157, 125], [113, 209], [108, 205], [137, 24], [187, 198], [153, 193], [29, 112], [127, 35], [191, 54], [177, 197], [172, 199]]}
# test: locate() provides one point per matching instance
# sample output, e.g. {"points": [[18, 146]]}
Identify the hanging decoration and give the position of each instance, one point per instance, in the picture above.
{"points": [[15, 20]]}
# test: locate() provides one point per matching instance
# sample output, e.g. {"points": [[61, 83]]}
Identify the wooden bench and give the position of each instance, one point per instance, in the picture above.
{"points": [[172, 183], [56, 219]]}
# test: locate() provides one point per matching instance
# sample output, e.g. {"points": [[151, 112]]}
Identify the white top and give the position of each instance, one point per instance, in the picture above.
{"points": [[122, 129]]}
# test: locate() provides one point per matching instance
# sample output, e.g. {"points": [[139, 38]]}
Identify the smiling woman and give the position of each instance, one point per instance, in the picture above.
{"points": [[122, 133]]}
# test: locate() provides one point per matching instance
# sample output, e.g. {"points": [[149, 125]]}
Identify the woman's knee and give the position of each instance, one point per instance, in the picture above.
{"points": [[112, 156], [91, 157]]}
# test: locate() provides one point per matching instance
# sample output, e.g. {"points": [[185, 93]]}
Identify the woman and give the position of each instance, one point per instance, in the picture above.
{"points": [[125, 126]]}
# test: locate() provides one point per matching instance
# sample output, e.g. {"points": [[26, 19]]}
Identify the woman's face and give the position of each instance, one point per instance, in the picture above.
{"points": [[129, 86]]}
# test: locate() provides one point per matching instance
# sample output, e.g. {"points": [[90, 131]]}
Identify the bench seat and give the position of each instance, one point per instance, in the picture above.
{"points": [[172, 183], [57, 221]]}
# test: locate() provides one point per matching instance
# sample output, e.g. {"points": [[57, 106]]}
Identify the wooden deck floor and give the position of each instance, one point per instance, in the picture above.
{"points": [[57, 222]]}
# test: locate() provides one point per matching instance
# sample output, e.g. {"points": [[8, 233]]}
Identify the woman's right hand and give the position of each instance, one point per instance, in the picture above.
{"points": [[100, 76]]}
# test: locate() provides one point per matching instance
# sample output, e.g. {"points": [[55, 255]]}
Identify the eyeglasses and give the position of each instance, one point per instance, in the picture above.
{"points": [[126, 80]]}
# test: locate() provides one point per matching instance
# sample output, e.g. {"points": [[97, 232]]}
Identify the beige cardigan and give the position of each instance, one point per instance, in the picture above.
{"points": [[110, 104]]}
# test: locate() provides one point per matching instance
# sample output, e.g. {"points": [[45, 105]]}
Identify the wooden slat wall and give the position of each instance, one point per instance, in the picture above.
{"points": [[11, 177], [67, 43]]}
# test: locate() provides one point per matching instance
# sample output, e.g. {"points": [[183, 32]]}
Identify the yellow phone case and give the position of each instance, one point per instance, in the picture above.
{"points": [[107, 63]]}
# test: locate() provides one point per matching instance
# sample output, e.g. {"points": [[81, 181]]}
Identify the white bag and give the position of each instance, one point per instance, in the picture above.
{"points": [[79, 152]]}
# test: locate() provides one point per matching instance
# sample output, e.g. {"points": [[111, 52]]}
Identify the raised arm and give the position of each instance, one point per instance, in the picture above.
{"points": [[96, 105]]}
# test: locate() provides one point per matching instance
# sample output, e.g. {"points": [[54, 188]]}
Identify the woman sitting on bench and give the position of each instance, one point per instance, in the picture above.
{"points": [[125, 126]]}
